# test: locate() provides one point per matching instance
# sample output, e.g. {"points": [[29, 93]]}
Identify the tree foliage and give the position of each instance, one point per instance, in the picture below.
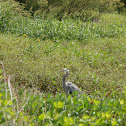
{"points": [[124, 1], [61, 9], [10, 9]]}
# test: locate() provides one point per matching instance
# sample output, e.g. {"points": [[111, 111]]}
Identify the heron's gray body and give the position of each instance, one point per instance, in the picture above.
{"points": [[68, 86]]}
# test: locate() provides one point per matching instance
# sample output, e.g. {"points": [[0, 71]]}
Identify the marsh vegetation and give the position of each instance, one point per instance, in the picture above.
{"points": [[34, 46]]}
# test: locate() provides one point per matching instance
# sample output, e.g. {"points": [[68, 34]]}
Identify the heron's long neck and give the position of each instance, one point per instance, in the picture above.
{"points": [[64, 78]]}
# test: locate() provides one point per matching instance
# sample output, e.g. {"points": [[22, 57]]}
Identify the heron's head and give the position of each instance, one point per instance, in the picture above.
{"points": [[65, 69]]}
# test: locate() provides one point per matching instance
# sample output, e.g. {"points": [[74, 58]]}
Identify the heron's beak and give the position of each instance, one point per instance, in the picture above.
{"points": [[61, 70], [64, 69]]}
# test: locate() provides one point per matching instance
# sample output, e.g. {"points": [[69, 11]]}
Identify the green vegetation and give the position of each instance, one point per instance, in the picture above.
{"points": [[34, 49], [62, 9], [45, 109], [67, 29], [95, 64]]}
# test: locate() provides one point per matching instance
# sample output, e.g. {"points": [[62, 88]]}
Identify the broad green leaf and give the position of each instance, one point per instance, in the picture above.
{"points": [[25, 118], [103, 115], [107, 115], [96, 102], [124, 92], [42, 116], [1, 71], [1, 76], [81, 125], [86, 117], [114, 123], [98, 122], [93, 118], [121, 101], [65, 119], [0, 94], [98, 114], [56, 116], [1, 115], [31, 124], [59, 104], [71, 121]]}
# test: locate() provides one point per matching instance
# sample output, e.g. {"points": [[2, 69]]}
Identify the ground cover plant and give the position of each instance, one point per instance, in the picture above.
{"points": [[33, 51], [28, 108]]}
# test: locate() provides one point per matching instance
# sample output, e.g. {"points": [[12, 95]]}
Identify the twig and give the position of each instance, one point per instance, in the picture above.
{"points": [[11, 93], [17, 107], [24, 105], [10, 87]]}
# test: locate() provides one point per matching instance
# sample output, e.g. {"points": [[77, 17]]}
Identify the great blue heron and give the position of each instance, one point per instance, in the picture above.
{"points": [[68, 86]]}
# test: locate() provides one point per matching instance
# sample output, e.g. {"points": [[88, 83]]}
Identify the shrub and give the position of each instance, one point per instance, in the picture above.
{"points": [[83, 9], [109, 6], [33, 5], [8, 10]]}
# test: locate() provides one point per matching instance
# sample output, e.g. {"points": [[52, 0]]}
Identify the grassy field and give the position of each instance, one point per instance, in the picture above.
{"points": [[34, 50]]}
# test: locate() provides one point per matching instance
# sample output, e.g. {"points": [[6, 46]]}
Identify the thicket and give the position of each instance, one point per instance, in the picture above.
{"points": [[10, 11], [82, 9], [61, 9]]}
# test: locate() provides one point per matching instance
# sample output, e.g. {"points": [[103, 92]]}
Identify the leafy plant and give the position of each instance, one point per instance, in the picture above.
{"points": [[45, 109]]}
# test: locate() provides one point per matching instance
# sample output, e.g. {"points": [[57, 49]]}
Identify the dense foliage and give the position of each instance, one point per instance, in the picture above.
{"points": [[61, 9], [29, 108], [12, 20], [48, 40], [94, 65]]}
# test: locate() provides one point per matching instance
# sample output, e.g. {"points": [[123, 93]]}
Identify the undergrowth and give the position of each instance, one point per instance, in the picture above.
{"points": [[98, 66], [31, 108]]}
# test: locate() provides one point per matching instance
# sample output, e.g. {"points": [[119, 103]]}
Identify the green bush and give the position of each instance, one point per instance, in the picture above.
{"points": [[33, 5], [109, 6], [83, 9], [15, 22], [69, 9], [9, 9]]}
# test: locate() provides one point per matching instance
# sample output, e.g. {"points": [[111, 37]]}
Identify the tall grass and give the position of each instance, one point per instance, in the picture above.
{"points": [[66, 29]]}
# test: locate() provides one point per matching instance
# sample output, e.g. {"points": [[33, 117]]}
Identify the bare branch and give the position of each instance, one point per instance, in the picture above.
{"points": [[10, 87], [23, 105]]}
